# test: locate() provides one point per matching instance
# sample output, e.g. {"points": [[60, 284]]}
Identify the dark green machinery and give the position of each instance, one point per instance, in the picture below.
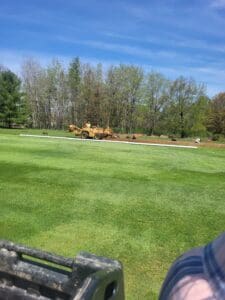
{"points": [[31, 274]]}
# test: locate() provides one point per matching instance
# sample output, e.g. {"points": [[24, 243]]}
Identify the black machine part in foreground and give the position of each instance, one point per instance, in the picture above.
{"points": [[30, 274]]}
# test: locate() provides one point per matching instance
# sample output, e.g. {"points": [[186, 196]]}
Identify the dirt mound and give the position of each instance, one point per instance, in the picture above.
{"points": [[155, 140]]}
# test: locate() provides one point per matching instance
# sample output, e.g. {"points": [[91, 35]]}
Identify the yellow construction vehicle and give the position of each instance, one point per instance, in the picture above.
{"points": [[88, 131]]}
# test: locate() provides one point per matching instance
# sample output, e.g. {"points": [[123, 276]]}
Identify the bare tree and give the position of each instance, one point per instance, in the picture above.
{"points": [[183, 93], [32, 75], [74, 81], [57, 94], [156, 96], [123, 91]]}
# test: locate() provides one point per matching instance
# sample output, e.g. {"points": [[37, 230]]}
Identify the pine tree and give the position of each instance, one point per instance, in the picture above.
{"points": [[12, 106]]}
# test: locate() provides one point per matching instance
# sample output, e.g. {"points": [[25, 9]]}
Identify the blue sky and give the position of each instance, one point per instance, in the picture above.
{"points": [[175, 37]]}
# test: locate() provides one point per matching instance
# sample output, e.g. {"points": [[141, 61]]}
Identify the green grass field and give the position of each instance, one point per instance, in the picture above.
{"points": [[142, 205]]}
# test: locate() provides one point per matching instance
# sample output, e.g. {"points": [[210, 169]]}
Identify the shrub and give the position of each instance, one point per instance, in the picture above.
{"points": [[216, 137]]}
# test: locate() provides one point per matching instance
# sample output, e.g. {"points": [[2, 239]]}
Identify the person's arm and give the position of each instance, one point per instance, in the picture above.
{"points": [[186, 279]]}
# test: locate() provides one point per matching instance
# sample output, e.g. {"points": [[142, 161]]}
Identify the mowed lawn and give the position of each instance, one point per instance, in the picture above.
{"points": [[142, 205]]}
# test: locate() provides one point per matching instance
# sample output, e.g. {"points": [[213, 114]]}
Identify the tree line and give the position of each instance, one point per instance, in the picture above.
{"points": [[123, 97]]}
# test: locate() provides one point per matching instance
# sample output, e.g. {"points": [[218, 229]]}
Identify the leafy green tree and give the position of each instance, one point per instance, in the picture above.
{"points": [[199, 114], [12, 104], [123, 98], [216, 120], [91, 94]]}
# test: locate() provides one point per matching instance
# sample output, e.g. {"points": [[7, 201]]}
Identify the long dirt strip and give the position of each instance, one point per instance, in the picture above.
{"points": [[106, 141]]}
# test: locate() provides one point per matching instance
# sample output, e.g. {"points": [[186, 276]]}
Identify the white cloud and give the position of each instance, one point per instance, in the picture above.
{"points": [[142, 52], [172, 40], [14, 59]]}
